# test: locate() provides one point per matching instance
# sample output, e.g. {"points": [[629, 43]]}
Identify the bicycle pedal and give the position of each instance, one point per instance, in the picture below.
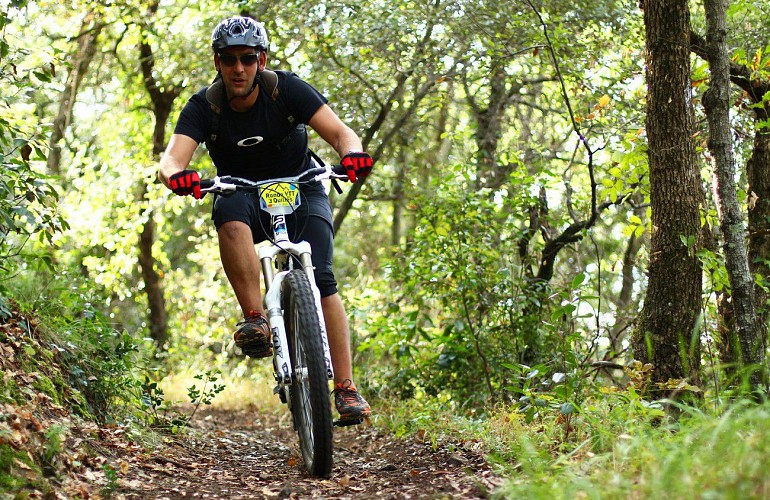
{"points": [[349, 421]]}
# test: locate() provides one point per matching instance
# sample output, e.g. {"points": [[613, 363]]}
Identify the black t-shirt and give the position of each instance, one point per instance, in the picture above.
{"points": [[254, 144]]}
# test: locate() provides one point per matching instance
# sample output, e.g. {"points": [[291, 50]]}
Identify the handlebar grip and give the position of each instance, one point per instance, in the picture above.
{"points": [[206, 183], [312, 172], [339, 169]]}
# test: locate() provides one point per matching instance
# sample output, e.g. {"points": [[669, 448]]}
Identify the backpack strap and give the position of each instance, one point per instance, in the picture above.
{"points": [[268, 81], [215, 95]]}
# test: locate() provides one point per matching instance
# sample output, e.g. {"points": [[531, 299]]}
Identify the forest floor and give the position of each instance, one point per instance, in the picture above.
{"points": [[226, 452], [244, 454]]}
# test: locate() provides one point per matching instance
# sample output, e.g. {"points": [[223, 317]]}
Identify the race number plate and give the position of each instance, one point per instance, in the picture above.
{"points": [[279, 197]]}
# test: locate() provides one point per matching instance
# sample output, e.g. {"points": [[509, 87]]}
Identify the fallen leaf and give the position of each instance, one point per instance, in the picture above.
{"points": [[21, 464]]}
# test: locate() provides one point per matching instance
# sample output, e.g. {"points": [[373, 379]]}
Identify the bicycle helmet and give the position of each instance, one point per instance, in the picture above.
{"points": [[242, 31]]}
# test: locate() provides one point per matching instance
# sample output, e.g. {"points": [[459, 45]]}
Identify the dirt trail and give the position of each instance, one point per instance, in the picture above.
{"points": [[230, 455]]}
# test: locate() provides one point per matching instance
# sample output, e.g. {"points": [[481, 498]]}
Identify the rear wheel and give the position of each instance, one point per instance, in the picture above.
{"points": [[309, 391]]}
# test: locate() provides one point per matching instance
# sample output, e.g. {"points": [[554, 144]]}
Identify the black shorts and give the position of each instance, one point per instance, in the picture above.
{"points": [[312, 222]]}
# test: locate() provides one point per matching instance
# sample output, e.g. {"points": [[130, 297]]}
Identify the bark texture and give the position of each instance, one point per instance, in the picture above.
{"points": [[758, 173], [667, 336], [717, 105]]}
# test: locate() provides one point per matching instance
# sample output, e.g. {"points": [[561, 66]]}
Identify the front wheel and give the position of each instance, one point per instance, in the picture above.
{"points": [[309, 391]]}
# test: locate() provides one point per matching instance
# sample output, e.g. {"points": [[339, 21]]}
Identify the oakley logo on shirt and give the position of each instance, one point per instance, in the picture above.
{"points": [[250, 141]]}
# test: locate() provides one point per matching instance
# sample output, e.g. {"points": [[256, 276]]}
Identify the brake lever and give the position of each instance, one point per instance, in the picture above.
{"points": [[218, 185], [339, 170]]}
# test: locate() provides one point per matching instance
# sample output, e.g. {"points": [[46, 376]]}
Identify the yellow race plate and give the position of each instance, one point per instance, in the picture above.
{"points": [[279, 195]]}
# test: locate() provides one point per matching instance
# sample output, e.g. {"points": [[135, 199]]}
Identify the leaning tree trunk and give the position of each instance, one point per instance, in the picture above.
{"points": [[667, 335], [758, 177], [84, 54], [716, 102]]}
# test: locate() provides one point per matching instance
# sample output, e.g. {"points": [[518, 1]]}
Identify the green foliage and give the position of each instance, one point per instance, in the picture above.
{"points": [[628, 173], [699, 456], [162, 413], [112, 480], [54, 439], [10, 480], [455, 323], [617, 445], [28, 200], [82, 359], [467, 313]]}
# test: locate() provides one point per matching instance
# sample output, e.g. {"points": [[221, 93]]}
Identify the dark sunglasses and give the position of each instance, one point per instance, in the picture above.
{"points": [[246, 59]]}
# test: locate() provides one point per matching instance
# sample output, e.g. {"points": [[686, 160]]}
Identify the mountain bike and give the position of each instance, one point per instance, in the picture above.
{"points": [[301, 358]]}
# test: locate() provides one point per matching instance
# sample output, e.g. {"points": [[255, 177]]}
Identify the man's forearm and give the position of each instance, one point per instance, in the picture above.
{"points": [[167, 168], [348, 142]]}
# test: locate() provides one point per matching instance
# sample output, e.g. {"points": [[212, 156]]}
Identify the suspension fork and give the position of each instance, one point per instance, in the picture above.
{"points": [[272, 302], [307, 265]]}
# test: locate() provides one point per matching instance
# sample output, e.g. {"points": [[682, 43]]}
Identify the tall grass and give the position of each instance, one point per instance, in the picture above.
{"points": [[700, 456], [615, 447]]}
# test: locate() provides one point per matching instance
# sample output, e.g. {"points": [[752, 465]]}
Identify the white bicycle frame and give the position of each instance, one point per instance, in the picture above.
{"points": [[272, 300], [282, 248]]}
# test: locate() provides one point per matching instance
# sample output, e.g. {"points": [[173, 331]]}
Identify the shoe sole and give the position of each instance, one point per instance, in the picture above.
{"points": [[355, 416], [256, 348]]}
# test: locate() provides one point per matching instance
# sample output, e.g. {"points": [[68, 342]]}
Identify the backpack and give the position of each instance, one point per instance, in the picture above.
{"points": [[268, 82]]}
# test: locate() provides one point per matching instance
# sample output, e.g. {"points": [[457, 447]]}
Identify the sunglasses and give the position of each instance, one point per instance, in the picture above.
{"points": [[231, 59]]}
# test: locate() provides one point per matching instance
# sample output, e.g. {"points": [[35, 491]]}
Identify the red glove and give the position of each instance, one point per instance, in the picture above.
{"points": [[185, 183], [357, 165]]}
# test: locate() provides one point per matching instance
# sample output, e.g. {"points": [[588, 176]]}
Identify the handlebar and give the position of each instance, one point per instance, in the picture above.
{"points": [[230, 184]]}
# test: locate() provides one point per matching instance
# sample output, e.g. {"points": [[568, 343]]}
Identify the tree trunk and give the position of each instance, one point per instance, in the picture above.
{"points": [[758, 173], [716, 102], [162, 101], [86, 48], [158, 318], [624, 313], [489, 123], [667, 335]]}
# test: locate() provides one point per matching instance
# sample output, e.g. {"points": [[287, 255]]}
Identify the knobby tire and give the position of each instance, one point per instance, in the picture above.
{"points": [[309, 392]]}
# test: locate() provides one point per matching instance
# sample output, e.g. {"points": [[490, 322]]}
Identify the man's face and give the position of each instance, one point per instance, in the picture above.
{"points": [[239, 69]]}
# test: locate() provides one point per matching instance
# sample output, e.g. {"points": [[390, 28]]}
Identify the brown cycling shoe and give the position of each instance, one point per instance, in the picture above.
{"points": [[253, 336], [350, 404]]}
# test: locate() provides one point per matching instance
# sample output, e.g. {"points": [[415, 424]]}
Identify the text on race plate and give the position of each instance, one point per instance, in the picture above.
{"points": [[279, 194]]}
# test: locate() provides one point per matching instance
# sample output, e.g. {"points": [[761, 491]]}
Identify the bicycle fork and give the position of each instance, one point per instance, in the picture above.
{"points": [[284, 372]]}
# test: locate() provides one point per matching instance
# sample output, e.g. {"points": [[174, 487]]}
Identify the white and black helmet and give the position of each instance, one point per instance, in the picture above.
{"points": [[242, 31]]}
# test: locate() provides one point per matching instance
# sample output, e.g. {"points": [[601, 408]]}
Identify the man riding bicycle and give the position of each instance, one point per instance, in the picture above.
{"points": [[253, 123]]}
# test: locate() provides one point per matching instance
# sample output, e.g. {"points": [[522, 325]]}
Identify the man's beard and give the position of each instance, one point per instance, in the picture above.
{"points": [[244, 91]]}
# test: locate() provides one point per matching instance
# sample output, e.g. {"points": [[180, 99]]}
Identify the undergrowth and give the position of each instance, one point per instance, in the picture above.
{"points": [[616, 445], [71, 378]]}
